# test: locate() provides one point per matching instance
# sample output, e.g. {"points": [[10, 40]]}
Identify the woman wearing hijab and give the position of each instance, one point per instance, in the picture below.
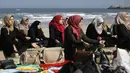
{"points": [[123, 30], [65, 22], [24, 27], [56, 31], [12, 40], [36, 34], [75, 38], [98, 30]]}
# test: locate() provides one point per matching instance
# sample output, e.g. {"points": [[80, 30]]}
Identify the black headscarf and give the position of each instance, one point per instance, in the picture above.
{"points": [[34, 25]]}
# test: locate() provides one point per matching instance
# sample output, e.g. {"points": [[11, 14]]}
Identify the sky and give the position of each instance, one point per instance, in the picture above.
{"points": [[61, 3]]}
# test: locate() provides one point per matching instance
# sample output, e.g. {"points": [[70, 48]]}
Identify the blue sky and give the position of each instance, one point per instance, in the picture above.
{"points": [[61, 3]]}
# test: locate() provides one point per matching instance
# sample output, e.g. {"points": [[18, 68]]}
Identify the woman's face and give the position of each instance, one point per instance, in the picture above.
{"points": [[80, 24], [127, 18], [61, 21], [26, 22], [11, 21], [39, 26]]}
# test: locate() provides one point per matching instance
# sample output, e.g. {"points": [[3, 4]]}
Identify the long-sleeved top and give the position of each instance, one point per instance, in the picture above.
{"points": [[24, 29], [55, 34], [8, 39], [114, 29], [92, 33], [71, 42], [36, 34], [123, 36]]}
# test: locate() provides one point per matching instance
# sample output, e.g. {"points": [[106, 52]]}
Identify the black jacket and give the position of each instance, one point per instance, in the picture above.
{"points": [[123, 37], [71, 42], [92, 33], [15, 37], [36, 34], [54, 34]]}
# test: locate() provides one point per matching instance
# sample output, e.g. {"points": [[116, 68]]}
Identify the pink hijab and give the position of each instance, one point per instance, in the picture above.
{"points": [[74, 22]]}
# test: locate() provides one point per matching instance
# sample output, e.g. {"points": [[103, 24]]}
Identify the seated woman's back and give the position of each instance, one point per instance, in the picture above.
{"points": [[123, 30]]}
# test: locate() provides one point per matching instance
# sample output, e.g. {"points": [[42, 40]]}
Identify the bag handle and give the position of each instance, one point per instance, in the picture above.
{"points": [[38, 54], [60, 56]]}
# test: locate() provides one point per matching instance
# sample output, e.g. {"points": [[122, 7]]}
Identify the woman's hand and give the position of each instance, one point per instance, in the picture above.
{"points": [[115, 36], [28, 38], [35, 45], [99, 38], [86, 44], [57, 41], [102, 42], [15, 49]]}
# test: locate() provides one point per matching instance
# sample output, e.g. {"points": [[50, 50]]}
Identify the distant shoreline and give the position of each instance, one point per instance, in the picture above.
{"points": [[119, 7]]}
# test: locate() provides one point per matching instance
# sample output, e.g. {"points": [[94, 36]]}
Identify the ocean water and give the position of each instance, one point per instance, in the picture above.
{"points": [[46, 14]]}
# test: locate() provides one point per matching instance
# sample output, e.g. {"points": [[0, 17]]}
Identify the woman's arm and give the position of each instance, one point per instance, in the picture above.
{"points": [[52, 33], [31, 34], [5, 34], [86, 39], [71, 37], [123, 30]]}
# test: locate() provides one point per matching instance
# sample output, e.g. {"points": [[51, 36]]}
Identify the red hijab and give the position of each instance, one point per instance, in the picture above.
{"points": [[74, 21], [60, 27]]}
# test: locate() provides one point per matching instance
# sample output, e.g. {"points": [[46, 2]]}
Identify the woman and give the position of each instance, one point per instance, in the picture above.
{"points": [[24, 26], [56, 31], [123, 30], [98, 30], [75, 38], [65, 22], [36, 34], [12, 40]]}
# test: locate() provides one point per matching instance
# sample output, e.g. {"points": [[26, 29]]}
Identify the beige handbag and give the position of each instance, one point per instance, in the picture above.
{"points": [[53, 55], [31, 56], [2, 56]]}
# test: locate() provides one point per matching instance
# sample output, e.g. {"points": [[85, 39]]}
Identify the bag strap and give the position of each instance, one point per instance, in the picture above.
{"points": [[38, 54], [60, 55]]}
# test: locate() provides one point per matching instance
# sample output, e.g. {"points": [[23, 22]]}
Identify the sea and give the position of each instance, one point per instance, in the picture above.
{"points": [[46, 14]]}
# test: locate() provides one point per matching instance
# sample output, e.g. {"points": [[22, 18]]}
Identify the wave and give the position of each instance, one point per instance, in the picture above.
{"points": [[46, 17]]}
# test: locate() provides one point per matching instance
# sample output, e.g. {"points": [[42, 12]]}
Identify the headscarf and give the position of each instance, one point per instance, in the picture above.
{"points": [[60, 27], [6, 22], [74, 21], [34, 25], [65, 22], [96, 21], [23, 19], [120, 19]]}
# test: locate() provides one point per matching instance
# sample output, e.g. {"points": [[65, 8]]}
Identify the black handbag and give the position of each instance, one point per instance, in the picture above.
{"points": [[7, 64]]}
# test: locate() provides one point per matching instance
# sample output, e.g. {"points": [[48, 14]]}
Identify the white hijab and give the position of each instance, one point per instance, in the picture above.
{"points": [[120, 19], [96, 21]]}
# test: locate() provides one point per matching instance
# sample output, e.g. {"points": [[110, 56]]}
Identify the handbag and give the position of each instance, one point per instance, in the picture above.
{"points": [[2, 56], [82, 55], [53, 55], [7, 64], [31, 56]]}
